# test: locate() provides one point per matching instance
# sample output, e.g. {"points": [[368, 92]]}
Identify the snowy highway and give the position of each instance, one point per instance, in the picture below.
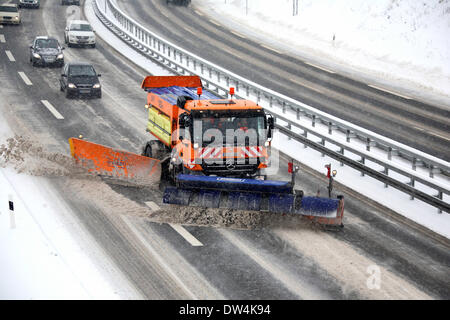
{"points": [[210, 257]]}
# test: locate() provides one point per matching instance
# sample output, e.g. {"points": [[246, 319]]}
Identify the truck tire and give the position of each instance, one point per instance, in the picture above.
{"points": [[155, 149]]}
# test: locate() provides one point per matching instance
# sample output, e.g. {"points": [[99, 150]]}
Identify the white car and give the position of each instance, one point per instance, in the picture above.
{"points": [[79, 32], [9, 14]]}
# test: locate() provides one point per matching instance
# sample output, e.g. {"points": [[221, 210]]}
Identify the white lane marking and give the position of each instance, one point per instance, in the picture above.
{"points": [[152, 205], [189, 30], [10, 56], [186, 235], [270, 48], [2, 38], [305, 85], [199, 13], [238, 34], [158, 257], [318, 67], [391, 92], [52, 109], [214, 22], [178, 228], [438, 135], [25, 78]]}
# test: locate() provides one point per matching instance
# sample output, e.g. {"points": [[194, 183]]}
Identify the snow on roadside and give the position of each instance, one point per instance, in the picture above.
{"points": [[403, 44], [44, 252]]}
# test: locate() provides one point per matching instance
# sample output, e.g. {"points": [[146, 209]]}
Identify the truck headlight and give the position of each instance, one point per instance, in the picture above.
{"points": [[196, 145], [60, 56], [267, 143], [36, 56], [71, 86], [96, 86]]}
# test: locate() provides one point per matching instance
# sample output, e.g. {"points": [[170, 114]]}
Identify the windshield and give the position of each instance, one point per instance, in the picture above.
{"points": [[80, 27], [230, 130], [77, 71], [47, 43], [8, 9]]}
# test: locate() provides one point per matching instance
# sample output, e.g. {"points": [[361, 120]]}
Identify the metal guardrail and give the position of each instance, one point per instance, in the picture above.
{"points": [[181, 62]]}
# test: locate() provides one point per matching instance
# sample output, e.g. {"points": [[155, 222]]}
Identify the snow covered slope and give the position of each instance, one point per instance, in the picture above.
{"points": [[398, 43]]}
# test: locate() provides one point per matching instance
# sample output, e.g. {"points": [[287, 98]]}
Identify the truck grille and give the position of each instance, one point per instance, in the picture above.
{"points": [[232, 168]]}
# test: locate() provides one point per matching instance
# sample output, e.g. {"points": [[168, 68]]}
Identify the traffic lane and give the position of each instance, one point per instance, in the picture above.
{"points": [[410, 251], [92, 111], [361, 116]]}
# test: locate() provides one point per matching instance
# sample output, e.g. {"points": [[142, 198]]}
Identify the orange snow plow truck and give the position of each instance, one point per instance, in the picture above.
{"points": [[209, 151]]}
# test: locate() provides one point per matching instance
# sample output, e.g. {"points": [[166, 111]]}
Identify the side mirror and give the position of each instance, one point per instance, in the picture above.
{"points": [[270, 126], [63, 75], [270, 123], [184, 121], [99, 75], [31, 47]]}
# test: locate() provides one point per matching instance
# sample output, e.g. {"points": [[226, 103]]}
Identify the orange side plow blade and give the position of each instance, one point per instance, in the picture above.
{"points": [[114, 163]]}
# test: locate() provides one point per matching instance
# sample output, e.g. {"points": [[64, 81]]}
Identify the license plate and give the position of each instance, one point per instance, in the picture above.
{"points": [[85, 91]]}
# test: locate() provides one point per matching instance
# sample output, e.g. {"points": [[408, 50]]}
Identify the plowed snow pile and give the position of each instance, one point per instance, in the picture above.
{"points": [[29, 157]]}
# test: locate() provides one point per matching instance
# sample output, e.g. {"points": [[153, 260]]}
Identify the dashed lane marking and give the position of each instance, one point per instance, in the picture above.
{"points": [[2, 38], [10, 56], [238, 34], [319, 67], [214, 22], [391, 92], [199, 13], [270, 48], [52, 109], [178, 228], [25, 78]]}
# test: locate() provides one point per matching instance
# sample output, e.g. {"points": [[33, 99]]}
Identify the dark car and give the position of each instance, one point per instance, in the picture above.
{"points": [[66, 2], [179, 2], [29, 4], [46, 51], [80, 79]]}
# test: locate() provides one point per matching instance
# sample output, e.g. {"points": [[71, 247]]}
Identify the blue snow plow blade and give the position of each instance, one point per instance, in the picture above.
{"points": [[246, 194]]}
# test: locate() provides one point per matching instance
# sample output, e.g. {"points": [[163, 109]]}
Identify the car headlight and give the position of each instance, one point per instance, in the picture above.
{"points": [[71, 86], [60, 56], [96, 86], [16, 18], [36, 56]]}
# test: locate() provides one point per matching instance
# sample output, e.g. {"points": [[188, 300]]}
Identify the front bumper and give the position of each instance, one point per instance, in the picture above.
{"points": [[81, 42], [43, 61], [84, 92], [5, 20], [77, 2], [29, 5]]}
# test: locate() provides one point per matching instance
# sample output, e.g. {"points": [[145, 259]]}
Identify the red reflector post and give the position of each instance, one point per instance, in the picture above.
{"points": [[290, 167], [232, 91], [199, 91]]}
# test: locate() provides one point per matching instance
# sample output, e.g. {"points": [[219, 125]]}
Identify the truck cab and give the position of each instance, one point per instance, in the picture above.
{"points": [[206, 134]]}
